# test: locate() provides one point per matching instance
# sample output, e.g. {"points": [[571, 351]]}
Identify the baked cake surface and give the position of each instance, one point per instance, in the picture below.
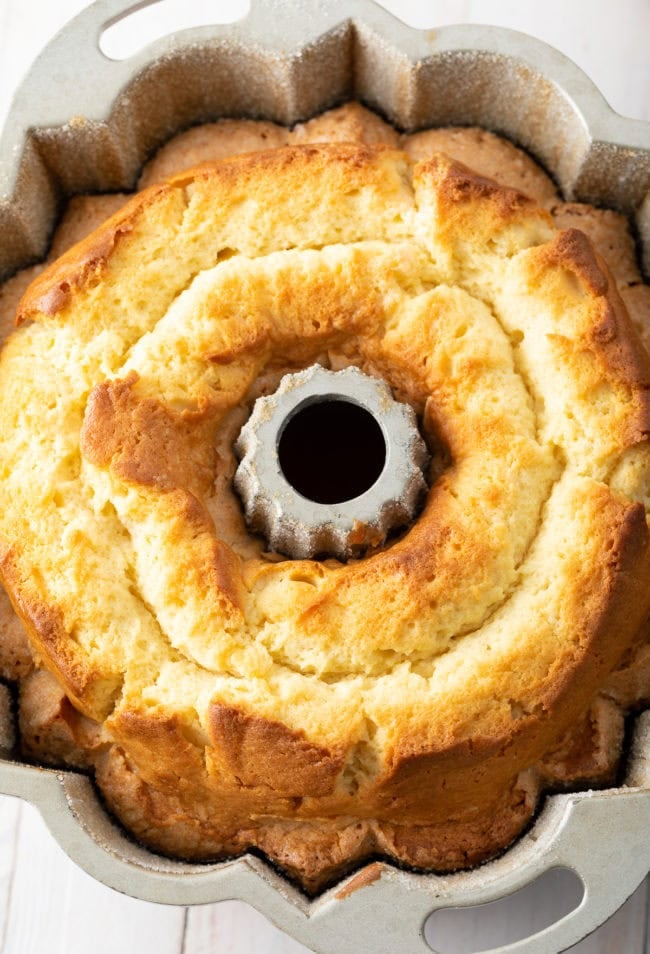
{"points": [[317, 710]]}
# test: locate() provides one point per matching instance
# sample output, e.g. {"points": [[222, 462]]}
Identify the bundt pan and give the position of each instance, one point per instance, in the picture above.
{"points": [[83, 123]]}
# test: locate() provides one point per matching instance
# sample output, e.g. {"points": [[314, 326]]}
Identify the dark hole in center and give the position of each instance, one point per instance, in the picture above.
{"points": [[332, 450]]}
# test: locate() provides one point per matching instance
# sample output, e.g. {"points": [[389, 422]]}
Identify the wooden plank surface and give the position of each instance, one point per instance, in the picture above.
{"points": [[57, 908], [10, 815], [47, 905]]}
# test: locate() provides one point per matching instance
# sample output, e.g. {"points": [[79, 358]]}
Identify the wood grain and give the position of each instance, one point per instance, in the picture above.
{"points": [[56, 908], [10, 814], [233, 928], [47, 905]]}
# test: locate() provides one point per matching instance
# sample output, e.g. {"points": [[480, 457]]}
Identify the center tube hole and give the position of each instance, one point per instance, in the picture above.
{"points": [[332, 450]]}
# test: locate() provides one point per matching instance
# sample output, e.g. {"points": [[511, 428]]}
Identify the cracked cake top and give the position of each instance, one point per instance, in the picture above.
{"points": [[300, 703]]}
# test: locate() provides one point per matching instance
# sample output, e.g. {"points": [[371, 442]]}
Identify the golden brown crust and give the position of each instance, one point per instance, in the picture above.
{"points": [[257, 752], [386, 753], [11, 293], [470, 205], [53, 288], [571, 251], [636, 299], [233, 137], [210, 143], [629, 683], [51, 729], [608, 231], [15, 654], [146, 442], [489, 155], [460, 842], [349, 123], [150, 738], [92, 690], [609, 335], [83, 214], [459, 188], [590, 752], [425, 773], [314, 854]]}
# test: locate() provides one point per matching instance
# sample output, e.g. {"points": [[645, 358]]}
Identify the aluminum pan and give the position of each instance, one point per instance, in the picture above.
{"points": [[286, 61]]}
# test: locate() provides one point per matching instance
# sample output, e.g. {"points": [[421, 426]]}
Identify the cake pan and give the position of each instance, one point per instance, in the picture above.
{"points": [[81, 122]]}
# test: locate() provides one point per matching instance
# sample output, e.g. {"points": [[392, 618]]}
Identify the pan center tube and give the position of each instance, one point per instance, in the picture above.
{"points": [[330, 464], [332, 450]]}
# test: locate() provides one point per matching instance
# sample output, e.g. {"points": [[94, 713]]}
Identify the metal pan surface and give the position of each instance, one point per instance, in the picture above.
{"points": [[287, 61]]}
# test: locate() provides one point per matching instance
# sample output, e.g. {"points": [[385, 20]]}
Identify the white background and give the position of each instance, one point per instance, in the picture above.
{"points": [[47, 906]]}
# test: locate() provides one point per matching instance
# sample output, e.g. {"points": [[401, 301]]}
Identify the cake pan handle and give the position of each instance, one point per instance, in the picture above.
{"points": [[601, 836], [604, 840], [80, 122], [72, 77], [72, 80]]}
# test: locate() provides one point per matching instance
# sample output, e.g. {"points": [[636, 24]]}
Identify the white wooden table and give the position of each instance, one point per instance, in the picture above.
{"points": [[47, 905]]}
